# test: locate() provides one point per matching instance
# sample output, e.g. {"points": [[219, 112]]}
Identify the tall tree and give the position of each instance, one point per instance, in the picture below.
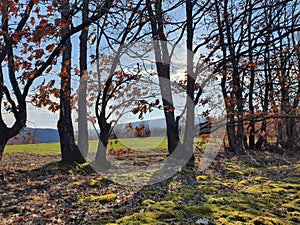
{"points": [[117, 78], [195, 13], [162, 60], [82, 92], [69, 150], [193, 83]]}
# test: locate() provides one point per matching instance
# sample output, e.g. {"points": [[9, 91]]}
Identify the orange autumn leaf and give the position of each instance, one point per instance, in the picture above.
{"points": [[50, 47], [64, 25], [39, 53], [48, 213], [67, 62], [170, 110], [76, 70], [43, 23]]}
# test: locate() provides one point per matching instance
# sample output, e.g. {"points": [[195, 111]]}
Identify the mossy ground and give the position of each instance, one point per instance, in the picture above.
{"points": [[238, 194], [232, 191]]}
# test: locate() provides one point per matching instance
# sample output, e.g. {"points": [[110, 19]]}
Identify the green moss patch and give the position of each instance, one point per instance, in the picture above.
{"points": [[202, 178], [106, 220], [151, 212], [99, 182], [237, 195], [267, 221], [97, 199], [200, 210], [141, 218]]}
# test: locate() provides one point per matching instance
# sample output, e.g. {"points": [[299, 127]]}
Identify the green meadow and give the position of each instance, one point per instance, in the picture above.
{"points": [[54, 148], [147, 143]]}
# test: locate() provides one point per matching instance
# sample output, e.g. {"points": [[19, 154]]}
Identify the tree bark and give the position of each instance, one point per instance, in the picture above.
{"points": [[172, 124], [251, 144], [3, 140], [2, 146], [162, 58], [228, 96], [83, 143], [69, 150], [18, 109], [100, 159], [191, 80], [230, 65]]}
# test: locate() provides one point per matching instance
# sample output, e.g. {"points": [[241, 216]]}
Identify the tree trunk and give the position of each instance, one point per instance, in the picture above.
{"points": [[231, 132], [3, 128], [7, 133], [69, 150], [83, 143], [171, 123], [162, 58], [100, 159], [267, 99], [251, 144], [18, 109], [262, 138], [236, 82], [291, 134], [3, 142], [228, 96], [189, 133]]}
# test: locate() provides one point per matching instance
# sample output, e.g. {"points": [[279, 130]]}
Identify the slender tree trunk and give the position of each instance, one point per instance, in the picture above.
{"points": [[69, 150], [100, 159], [19, 110], [231, 132], [162, 58], [224, 70], [3, 128], [171, 122], [290, 131], [7, 133], [251, 144], [3, 142], [190, 110], [268, 87], [236, 88], [83, 143]]}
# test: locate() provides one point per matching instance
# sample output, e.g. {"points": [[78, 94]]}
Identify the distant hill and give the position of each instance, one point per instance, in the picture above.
{"points": [[154, 128], [30, 135]]}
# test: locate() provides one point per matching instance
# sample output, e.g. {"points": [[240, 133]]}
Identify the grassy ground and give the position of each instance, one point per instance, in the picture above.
{"points": [[54, 148], [259, 188], [42, 149]]}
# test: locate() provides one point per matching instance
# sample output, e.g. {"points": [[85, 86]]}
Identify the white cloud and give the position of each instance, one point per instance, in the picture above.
{"points": [[36, 117]]}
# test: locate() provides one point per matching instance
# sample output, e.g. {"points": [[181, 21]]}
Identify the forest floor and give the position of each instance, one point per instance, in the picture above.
{"points": [[260, 188]]}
